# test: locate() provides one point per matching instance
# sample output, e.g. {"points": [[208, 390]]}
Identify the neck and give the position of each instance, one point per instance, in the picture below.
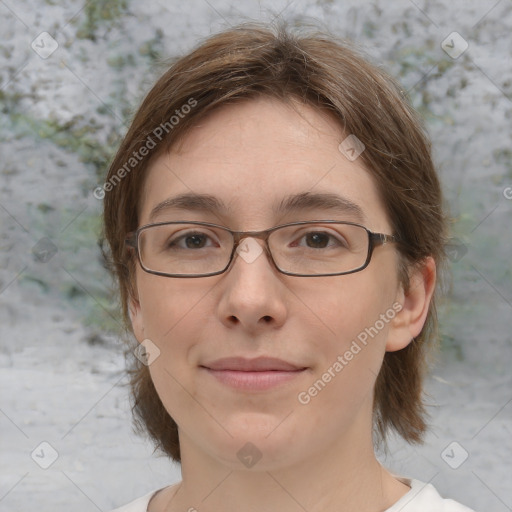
{"points": [[346, 477]]}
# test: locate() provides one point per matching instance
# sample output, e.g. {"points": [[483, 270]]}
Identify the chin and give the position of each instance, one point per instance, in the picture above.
{"points": [[259, 442]]}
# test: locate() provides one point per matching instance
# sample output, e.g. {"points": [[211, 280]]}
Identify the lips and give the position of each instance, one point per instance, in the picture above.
{"points": [[253, 375], [260, 364]]}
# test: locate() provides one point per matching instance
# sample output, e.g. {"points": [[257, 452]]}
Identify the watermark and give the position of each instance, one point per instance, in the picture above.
{"points": [[351, 147], [150, 143], [454, 455], [507, 193], [44, 455], [44, 250], [455, 250], [147, 352], [361, 341], [44, 45], [249, 249], [249, 455], [454, 45]]}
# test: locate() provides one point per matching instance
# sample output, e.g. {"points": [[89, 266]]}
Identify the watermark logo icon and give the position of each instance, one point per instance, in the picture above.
{"points": [[456, 249], [249, 455], [44, 45], [44, 250], [44, 455], [507, 193], [454, 455], [147, 352], [454, 45], [351, 147], [249, 249]]}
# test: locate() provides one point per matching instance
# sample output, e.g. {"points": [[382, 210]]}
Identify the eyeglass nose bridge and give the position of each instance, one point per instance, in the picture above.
{"points": [[239, 236]]}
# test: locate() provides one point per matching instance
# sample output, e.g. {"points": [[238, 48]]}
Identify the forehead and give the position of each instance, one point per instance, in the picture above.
{"points": [[259, 162]]}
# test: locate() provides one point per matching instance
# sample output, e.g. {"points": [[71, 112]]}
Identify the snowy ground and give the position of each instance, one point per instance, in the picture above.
{"points": [[62, 379]]}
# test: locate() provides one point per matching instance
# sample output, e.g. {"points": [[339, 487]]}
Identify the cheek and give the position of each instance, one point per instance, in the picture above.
{"points": [[345, 307], [165, 304], [350, 348], [163, 311], [170, 309], [352, 316]]}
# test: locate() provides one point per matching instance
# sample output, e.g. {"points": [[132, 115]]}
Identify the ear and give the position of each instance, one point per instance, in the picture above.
{"points": [[409, 321], [135, 312]]}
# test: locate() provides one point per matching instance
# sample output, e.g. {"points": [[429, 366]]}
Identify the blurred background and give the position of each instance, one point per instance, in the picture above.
{"points": [[72, 73]]}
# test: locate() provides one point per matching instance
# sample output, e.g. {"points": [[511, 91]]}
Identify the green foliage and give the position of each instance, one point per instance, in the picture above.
{"points": [[153, 48], [99, 13], [503, 156], [76, 272], [452, 314], [30, 280], [451, 346], [121, 61], [74, 136]]}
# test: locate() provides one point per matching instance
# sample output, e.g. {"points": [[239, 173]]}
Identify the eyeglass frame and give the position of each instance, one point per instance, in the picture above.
{"points": [[374, 239]]}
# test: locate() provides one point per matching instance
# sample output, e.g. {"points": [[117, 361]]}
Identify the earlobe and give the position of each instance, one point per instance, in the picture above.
{"points": [[135, 313], [409, 322]]}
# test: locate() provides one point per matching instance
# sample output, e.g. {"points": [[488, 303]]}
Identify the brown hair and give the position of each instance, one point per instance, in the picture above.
{"points": [[327, 73]]}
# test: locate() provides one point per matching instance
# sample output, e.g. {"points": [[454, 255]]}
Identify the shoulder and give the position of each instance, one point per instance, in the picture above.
{"points": [[138, 505], [424, 498]]}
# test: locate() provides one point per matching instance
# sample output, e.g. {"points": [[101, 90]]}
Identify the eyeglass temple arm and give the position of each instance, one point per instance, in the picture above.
{"points": [[382, 238], [131, 240]]}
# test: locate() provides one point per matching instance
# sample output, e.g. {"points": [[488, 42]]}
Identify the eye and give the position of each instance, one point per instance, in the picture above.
{"points": [[317, 240], [191, 240], [323, 239]]}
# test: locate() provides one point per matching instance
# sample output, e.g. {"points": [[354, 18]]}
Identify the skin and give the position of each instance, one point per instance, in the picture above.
{"points": [[315, 456]]}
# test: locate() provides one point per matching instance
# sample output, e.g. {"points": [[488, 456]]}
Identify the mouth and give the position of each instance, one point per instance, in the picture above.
{"points": [[253, 374]]}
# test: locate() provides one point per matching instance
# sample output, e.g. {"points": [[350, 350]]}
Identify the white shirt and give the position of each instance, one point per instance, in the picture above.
{"points": [[421, 498]]}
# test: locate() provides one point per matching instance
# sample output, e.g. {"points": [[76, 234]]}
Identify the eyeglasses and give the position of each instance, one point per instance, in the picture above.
{"points": [[305, 248]]}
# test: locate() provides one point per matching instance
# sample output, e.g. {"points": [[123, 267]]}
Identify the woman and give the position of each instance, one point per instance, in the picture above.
{"points": [[276, 229]]}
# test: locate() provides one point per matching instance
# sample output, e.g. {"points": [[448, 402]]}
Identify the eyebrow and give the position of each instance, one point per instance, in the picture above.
{"points": [[302, 202], [190, 202], [326, 201]]}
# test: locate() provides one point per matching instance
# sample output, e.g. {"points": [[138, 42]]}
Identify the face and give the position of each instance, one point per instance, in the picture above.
{"points": [[251, 156]]}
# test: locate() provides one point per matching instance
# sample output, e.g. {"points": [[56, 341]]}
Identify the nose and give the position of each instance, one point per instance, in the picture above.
{"points": [[252, 291]]}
